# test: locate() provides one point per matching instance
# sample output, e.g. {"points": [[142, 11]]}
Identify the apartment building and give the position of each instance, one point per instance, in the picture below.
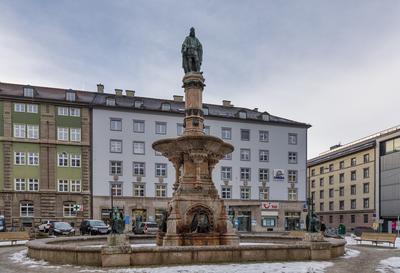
{"points": [[44, 155], [263, 181]]}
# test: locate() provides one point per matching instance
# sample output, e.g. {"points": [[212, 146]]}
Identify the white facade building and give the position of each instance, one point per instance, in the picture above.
{"points": [[264, 181]]}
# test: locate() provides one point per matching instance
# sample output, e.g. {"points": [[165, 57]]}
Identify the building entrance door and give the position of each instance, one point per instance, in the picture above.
{"points": [[292, 220], [138, 216], [244, 221]]}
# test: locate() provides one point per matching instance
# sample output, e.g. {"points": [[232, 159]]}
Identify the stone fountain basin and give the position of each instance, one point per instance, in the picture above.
{"points": [[81, 251]]}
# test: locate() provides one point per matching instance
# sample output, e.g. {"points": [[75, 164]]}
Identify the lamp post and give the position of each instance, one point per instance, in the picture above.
{"points": [[115, 178]]}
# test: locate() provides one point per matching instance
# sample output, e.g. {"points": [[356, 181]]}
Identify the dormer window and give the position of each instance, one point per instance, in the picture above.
{"points": [[70, 96], [110, 102], [138, 104], [205, 111], [265, 117], [242, 115], [165, 107], [28, 92]]}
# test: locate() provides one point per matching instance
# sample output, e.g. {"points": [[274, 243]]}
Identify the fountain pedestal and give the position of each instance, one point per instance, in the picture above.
{"points": [[196, 214]]}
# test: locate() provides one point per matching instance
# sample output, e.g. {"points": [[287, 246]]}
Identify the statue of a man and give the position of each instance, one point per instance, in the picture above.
{"points": [[192, 53]]}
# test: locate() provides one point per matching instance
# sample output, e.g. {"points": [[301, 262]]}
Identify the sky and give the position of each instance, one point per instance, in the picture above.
{"points": [[332, 64]]}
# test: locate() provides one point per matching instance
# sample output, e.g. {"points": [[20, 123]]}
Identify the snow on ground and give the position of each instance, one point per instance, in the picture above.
{"points": [[350, 253], [8, 243], [21, 257], [389, 265], [350, 240]]}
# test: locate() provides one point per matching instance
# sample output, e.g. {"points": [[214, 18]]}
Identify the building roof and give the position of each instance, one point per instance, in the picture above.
{"points": [[96, 99], [352, 147]]}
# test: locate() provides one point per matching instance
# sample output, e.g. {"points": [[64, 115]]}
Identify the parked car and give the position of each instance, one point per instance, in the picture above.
{"points": [[61, 228], [45, 226], [2, 224], [94, 227], [359, 230], [146, 228]]}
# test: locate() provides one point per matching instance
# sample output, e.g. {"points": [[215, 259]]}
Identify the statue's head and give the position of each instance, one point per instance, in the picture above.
{"points": [[192, 33]]}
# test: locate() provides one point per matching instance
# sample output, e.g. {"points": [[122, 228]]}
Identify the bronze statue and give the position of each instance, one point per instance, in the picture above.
{"points": [[192, 53], [117, 221]]}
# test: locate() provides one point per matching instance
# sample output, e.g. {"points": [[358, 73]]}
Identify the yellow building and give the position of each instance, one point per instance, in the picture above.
{"points": [[341, 183]]}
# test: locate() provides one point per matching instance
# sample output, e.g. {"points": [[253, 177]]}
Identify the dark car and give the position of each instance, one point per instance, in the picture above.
{"points": [[359, 230], [61, 228], [94, 227]]}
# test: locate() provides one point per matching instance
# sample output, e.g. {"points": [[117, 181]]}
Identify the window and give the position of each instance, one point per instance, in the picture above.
{"points": [[161, 190], [292, 157], [179, 129], [341, 178], [366, 172], [165, 107], [292, 176], [69, 209], [138, 104], [226, 173], [264, 193], [33, 184], [75, 186], [226, 133], [63, 185], [75, 161], [33, 159], [321, 170], [244, 173], [353, 162], [263, 175], [264, 155], [331, 167], [331, 205], [28, 92], [161, 128], [341, 165], [313, 183], [292, 194], [321, 182], [19, 130], [321, 194], [75, 112], [263, 136], [33, 131], [265, 117], [138, 190], [331, 180], [19, 158], [292, 139], [75, 134], [63, 111], [70, 96], [161, 170], [116, 189], [19, 107], [227, 157], [353, 204], [245, 154], [26, 209], [115, 146], [365, 218], [110, 101], [138, 126], [62, 134], [207, 130], [245, 193], [116, 124], [366, 158], [268, 222], [20, 184], [205, 111], [116, 167], [242, 115], [366, 188], [321, 207], [341, 191], [331, 193], [313, 172], [341, 218], [226, 192], [32, 108], [341, 205], [353, 190], [353, 218], [353, 175], [63, 159], [366, 203], [138, 147], [330, 218], [138, 169], [245, 134]]}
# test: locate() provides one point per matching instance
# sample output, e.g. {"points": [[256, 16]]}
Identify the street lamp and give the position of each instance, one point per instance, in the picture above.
{"points": [[115, 178]]}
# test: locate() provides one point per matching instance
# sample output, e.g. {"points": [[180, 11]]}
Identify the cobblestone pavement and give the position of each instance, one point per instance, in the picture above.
{"points": [[367, 261]]}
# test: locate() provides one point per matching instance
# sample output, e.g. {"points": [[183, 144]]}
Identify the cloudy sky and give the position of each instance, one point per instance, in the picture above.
{"points": [[333, 64]]}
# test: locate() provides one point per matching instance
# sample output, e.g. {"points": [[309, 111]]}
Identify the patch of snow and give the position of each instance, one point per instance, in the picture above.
{"points": [[391, 265], [140, 245], [350, 253], [21, 257], [287, 267], [256, 244], [8, 243]]}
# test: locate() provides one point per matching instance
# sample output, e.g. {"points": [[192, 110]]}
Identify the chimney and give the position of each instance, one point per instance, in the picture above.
{"points": [[118, 92], [226, 103], [100, 88], [178, 98], [130, 93]]}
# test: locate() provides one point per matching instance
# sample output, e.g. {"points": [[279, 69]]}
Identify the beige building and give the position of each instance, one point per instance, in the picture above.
{"points": [[341, 183]]}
